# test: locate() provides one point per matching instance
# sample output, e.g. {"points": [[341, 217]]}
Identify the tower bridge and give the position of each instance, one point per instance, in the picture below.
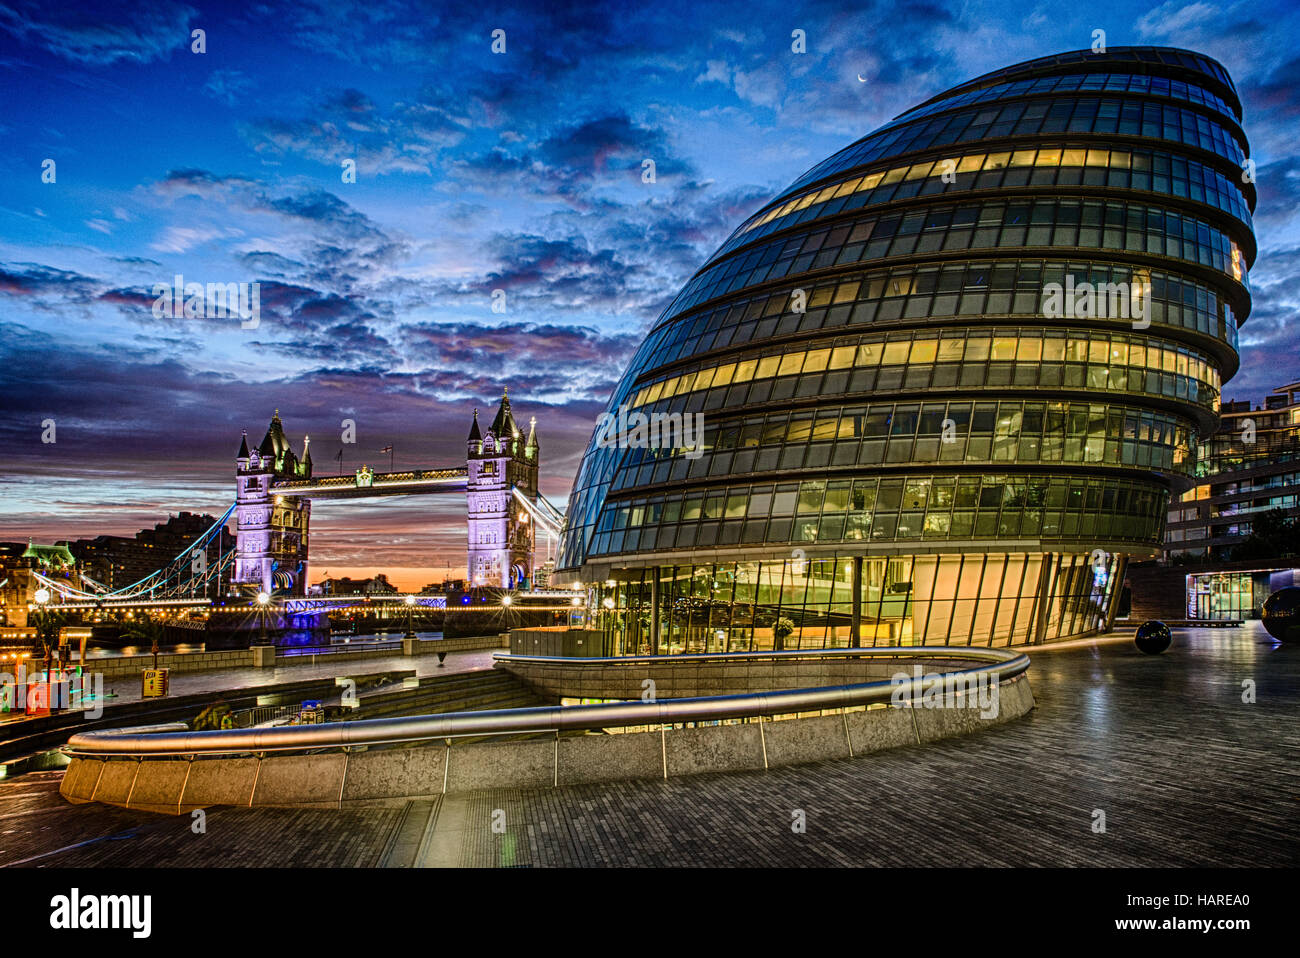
{"points": [[274, 490]]}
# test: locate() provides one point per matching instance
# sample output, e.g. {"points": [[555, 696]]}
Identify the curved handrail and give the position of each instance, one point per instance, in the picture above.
{"points": [[884, 652], [1002, 664]]}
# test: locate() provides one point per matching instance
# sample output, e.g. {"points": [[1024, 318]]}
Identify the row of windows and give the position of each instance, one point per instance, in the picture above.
{"points": [[958, 289], [1074, 82], [1106, 353], [930, 507], [966, 599], [902, 433], [1123, 58], [1244, 486], [1111, 225], [1043, 117], [947, 377], [1054, 166]]}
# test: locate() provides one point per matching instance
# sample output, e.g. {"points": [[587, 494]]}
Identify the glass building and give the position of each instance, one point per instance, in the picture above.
{"points": [[949, 378]]}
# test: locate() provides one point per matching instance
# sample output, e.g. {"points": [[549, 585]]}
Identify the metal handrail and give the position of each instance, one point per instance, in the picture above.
{"points": [[886, 651], [1002, 665]]}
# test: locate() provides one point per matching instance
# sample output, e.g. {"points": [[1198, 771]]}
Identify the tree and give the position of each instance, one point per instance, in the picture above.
{"points": [[1272, 536], [47, 623], [145, 630], [781, 631]]}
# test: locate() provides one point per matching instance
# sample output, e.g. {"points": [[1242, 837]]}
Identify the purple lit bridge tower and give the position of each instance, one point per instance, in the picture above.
{"points": [[275, 489]]}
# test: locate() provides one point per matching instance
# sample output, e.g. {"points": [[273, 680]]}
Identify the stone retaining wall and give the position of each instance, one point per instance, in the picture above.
{"points": [[129, 666], [339, 778]]}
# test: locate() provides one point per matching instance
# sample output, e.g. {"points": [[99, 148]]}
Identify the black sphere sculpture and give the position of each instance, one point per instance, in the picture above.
{"points": [[1281, 614], [1153, 637]]}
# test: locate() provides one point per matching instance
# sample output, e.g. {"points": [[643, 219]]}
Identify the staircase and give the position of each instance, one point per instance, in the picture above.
{"points": [[459, 692]]}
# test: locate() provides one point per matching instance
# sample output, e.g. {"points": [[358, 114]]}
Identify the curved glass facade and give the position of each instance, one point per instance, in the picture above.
{"points": [[947, 380]]}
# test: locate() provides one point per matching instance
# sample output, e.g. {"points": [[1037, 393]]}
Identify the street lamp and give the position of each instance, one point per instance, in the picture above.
{"points": [[42, 596], [410, 609], [506, 600], [262, 600]]}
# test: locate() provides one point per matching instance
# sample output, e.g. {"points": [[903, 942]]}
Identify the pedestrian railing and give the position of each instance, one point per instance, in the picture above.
{"points": [[985, 664]]}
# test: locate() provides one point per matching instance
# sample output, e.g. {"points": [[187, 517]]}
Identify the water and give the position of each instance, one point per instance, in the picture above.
{"points": [[359, 643], [101, 653]]}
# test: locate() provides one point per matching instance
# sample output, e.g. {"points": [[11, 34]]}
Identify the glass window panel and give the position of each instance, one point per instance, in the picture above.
{"points": [[842, 357], [923, 351], [950, 350], [896, 353], [816, 360], [811, 494], [1029, 348]]}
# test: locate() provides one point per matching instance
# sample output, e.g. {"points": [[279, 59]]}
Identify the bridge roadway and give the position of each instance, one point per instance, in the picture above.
{"points": [[364, 486], [1186, 773]]}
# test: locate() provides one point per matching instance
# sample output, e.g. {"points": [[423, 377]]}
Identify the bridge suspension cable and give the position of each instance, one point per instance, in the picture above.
{"points": [[546, 515], [181, 575]]}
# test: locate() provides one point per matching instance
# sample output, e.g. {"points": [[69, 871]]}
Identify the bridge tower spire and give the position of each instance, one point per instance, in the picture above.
{"points": [[502, 538], [271, 530]]}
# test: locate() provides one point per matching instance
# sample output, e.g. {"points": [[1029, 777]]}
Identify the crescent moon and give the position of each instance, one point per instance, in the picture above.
{"points": [[860, 78]]}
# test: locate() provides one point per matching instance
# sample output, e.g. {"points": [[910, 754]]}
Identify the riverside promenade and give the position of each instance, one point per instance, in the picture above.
{"points": [[1185, 772]]}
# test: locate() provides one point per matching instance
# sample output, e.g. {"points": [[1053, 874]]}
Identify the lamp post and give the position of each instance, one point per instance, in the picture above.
{"points": [[410, 609], [42, 597], [262, 600]]}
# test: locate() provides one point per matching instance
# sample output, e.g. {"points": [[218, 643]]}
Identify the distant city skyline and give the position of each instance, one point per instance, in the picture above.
{"points": [[476, 171]]}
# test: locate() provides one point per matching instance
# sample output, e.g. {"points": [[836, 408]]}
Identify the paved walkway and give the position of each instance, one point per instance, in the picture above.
{"points": [[1184, 771]]}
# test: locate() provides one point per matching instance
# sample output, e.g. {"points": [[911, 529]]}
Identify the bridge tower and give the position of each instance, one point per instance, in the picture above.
{"points": [[502, 535], [271, 530]]}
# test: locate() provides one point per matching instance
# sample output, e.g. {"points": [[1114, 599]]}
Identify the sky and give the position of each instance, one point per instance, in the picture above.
{"points": [[475, 171]]}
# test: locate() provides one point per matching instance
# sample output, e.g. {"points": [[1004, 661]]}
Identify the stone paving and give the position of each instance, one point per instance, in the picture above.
{"points": [[1185, 772]]}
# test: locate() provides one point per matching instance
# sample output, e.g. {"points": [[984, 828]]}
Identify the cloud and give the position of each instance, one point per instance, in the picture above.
{"points": [[182, 239], [95, 34], [408, 137], [1173, 18], [229, 86]]}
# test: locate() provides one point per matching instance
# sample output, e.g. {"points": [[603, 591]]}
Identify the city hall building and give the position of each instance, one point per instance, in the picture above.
{"points": [[949, 379]]}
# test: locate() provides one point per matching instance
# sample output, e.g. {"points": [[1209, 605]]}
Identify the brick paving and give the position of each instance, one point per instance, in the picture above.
{"points": [[1185, 772]]}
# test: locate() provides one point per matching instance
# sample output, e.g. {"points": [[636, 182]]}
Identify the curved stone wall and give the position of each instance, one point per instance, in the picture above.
{"points": [[334, 779]]}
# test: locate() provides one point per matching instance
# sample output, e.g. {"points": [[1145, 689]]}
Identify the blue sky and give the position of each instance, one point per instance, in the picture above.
{"points": [[475, 171]]}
